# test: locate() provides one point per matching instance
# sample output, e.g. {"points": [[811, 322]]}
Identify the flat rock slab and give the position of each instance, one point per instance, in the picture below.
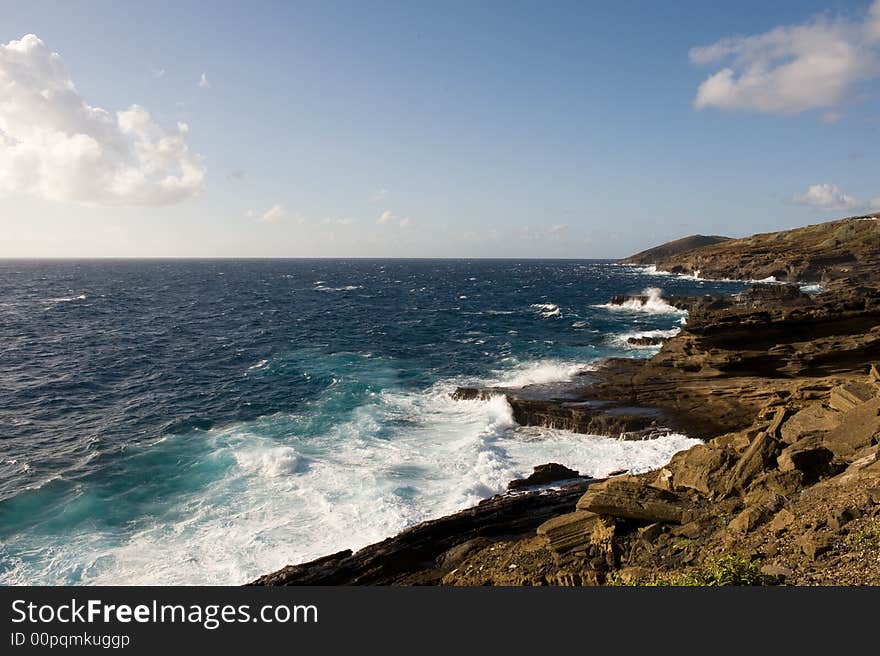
{"points": [[633, 500], [857, 428]]}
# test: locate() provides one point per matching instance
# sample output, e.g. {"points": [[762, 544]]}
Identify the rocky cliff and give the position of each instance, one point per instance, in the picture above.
{"points": [[839, 251], [783, 387]]}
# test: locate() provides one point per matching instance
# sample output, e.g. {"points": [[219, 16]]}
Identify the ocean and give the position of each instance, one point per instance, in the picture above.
{"points": [[209, 421]]}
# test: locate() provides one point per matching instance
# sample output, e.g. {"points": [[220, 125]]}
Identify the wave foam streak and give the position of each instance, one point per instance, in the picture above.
{"points": [[244, 500]]}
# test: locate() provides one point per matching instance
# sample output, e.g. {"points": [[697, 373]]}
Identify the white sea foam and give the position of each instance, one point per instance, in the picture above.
{"points": [[344, 288], [812, 288], [652, 270], [67, 299], [407, 457], [653, 303], [538, 372], [621, 340], [547, 310], [269, 461]]}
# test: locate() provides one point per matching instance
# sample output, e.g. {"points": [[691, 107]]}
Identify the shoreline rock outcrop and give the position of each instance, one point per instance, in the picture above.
{"points": [[783, 387]]}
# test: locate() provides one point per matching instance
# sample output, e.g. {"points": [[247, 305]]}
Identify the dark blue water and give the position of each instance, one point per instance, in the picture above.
{"points": [[207, 421]]}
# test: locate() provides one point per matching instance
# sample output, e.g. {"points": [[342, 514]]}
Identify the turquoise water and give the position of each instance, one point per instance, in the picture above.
{"points": [[209, 421]]}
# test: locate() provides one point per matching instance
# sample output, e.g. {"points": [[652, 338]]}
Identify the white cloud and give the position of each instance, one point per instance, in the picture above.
{"points": [[56, 146], [829, 197], [559, 227], [333, 221], [274, 214], [794, 68], [203, 82], [159, 72], [378, 195], [388, 218]]}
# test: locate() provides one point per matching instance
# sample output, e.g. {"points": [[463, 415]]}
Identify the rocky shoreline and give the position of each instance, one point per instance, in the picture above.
{"points": [[783, 387]]}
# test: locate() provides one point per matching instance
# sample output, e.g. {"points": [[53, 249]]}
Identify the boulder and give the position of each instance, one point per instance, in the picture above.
{"points": [[809, 456], [701, 468], [748, 519], [628, 499], [814, 417], [858, 428], [569, 532], [781, 521], [777, 483], [776, 572], [760, 455], [850, 395], [543, 474], [696, 528]]}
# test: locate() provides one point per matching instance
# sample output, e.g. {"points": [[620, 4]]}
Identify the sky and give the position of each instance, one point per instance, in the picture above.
{"points": [[429, 129]]}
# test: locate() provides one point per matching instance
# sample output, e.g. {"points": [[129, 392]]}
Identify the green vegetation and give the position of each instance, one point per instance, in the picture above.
{"points": [[729, 569], [865, 537]]}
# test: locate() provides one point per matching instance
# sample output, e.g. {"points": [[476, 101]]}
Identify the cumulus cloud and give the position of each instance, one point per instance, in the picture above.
{"points": [[793, 68], [203, 82], [559, 227], [830, 197], [55, 145], [388, 218], [378, 195]]}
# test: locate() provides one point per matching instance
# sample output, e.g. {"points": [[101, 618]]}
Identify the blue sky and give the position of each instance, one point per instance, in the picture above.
{"points": [[429, 129]]}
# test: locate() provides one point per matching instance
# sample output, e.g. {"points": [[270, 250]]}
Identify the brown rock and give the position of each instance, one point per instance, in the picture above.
{"points": [[695, 529], [840, 517], [634, 575], [543, 474], [781, 521], [815, 544], [776, 425], [784, 484], [701, 468], [629, 499], [776, 572], [850, 395], [650, 532], [858, 428], [809, 455], [814, 417], [663, 480], [459, 552], [760, 455], [748, 519], [570, 532]]}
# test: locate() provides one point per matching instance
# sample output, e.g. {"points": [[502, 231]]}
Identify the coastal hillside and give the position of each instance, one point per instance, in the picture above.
{"points": [[822, 253], [672, 249]]}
